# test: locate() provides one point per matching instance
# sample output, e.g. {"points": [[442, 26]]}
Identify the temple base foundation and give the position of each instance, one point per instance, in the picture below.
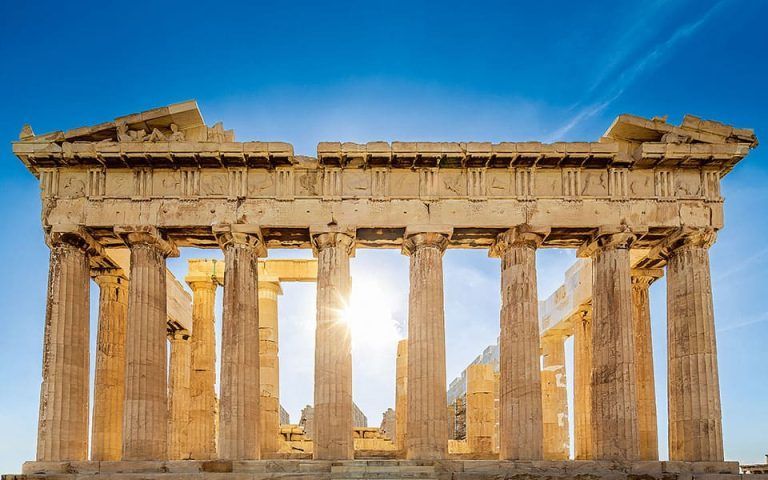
{"points": [[453, 469]]}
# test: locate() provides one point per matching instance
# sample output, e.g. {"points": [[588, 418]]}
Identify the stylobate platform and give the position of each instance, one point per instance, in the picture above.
{"points": [[381, 469]]}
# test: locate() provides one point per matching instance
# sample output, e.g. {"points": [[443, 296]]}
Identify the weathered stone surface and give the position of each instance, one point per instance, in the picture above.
{"points": [[145, 418], [481, 418], [520, 395], [614, 394], [695, 418], [554, 398], [646, 391], [333, 349], [109, 382], [582, 385], [239, 413], [383, 469], [401, 394], [427, 421], [63, 423], [202, 413], [269, 366], [179, 445]]}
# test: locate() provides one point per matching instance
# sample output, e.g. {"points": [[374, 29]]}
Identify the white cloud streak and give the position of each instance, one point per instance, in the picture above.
{"points": [[589, 106]]}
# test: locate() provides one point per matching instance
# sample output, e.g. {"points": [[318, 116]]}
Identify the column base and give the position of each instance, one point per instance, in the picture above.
{"points": [[378, 469]]}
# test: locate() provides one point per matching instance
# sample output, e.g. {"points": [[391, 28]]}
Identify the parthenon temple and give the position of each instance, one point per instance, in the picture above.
{"points": [[121, 197]]}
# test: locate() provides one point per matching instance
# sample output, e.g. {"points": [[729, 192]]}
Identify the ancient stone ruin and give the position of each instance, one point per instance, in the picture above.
{"points": [[121, 197]]}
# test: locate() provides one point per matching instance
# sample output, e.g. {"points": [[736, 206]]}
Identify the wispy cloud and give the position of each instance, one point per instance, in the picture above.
{"points": [[745, 264], [759, 319], [618, 80]]}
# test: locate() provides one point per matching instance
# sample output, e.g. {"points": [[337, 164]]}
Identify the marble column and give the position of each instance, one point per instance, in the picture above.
{"points": [[582, 390], [554, 398], [520, 394], [333, 349], [109, 382], [145, 416], [614, 394], [695, 419], [269, 365], [179, 395], [646, 391], [427, 423], [480, 413], [401, 394], [239, 413], [63, 424], [202, 408]]}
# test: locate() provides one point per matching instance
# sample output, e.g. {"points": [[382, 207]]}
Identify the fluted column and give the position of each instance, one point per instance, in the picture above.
{"points": [[145, 417], [646, 391], [239, 414], [520, 394], [269, 366], [401, 394], [554, 398], [333, 349], [109, 382], [427, 424], [63, 425], [480, 413], [202, 408], [695, 419], [614, 395], [179, 396], [582, 389]]}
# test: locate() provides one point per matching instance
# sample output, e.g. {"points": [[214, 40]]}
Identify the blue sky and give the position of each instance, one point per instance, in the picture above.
{"points": [[360, 71]]}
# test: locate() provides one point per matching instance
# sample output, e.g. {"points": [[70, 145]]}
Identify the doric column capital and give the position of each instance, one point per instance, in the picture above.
{"points": [[685, 237], [608, 238], [73, 235], [240, 235], [149, 235], [426, 237], [337, 238], [644, 277], [519, 236]]}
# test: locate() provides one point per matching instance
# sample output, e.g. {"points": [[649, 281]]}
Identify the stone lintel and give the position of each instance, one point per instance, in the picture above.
{"points": [[555, 333], [610, 236], [646, 276], [203, 271], [149, 235], [270, 270], [241, 234], [106, 276], [521, 235]]}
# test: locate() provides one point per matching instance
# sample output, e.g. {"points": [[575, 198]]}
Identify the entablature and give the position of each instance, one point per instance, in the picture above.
{"points": [[166, 168]]}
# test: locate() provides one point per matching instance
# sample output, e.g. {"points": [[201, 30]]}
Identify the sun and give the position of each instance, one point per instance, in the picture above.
{"points": [[369, 314]]}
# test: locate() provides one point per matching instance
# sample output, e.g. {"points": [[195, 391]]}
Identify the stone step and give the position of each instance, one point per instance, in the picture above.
{"points": [[382, 472]]}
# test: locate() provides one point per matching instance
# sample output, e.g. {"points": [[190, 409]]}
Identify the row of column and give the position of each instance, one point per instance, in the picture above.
{"points": [[616, 418], [615, 412], [131, 411]]}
